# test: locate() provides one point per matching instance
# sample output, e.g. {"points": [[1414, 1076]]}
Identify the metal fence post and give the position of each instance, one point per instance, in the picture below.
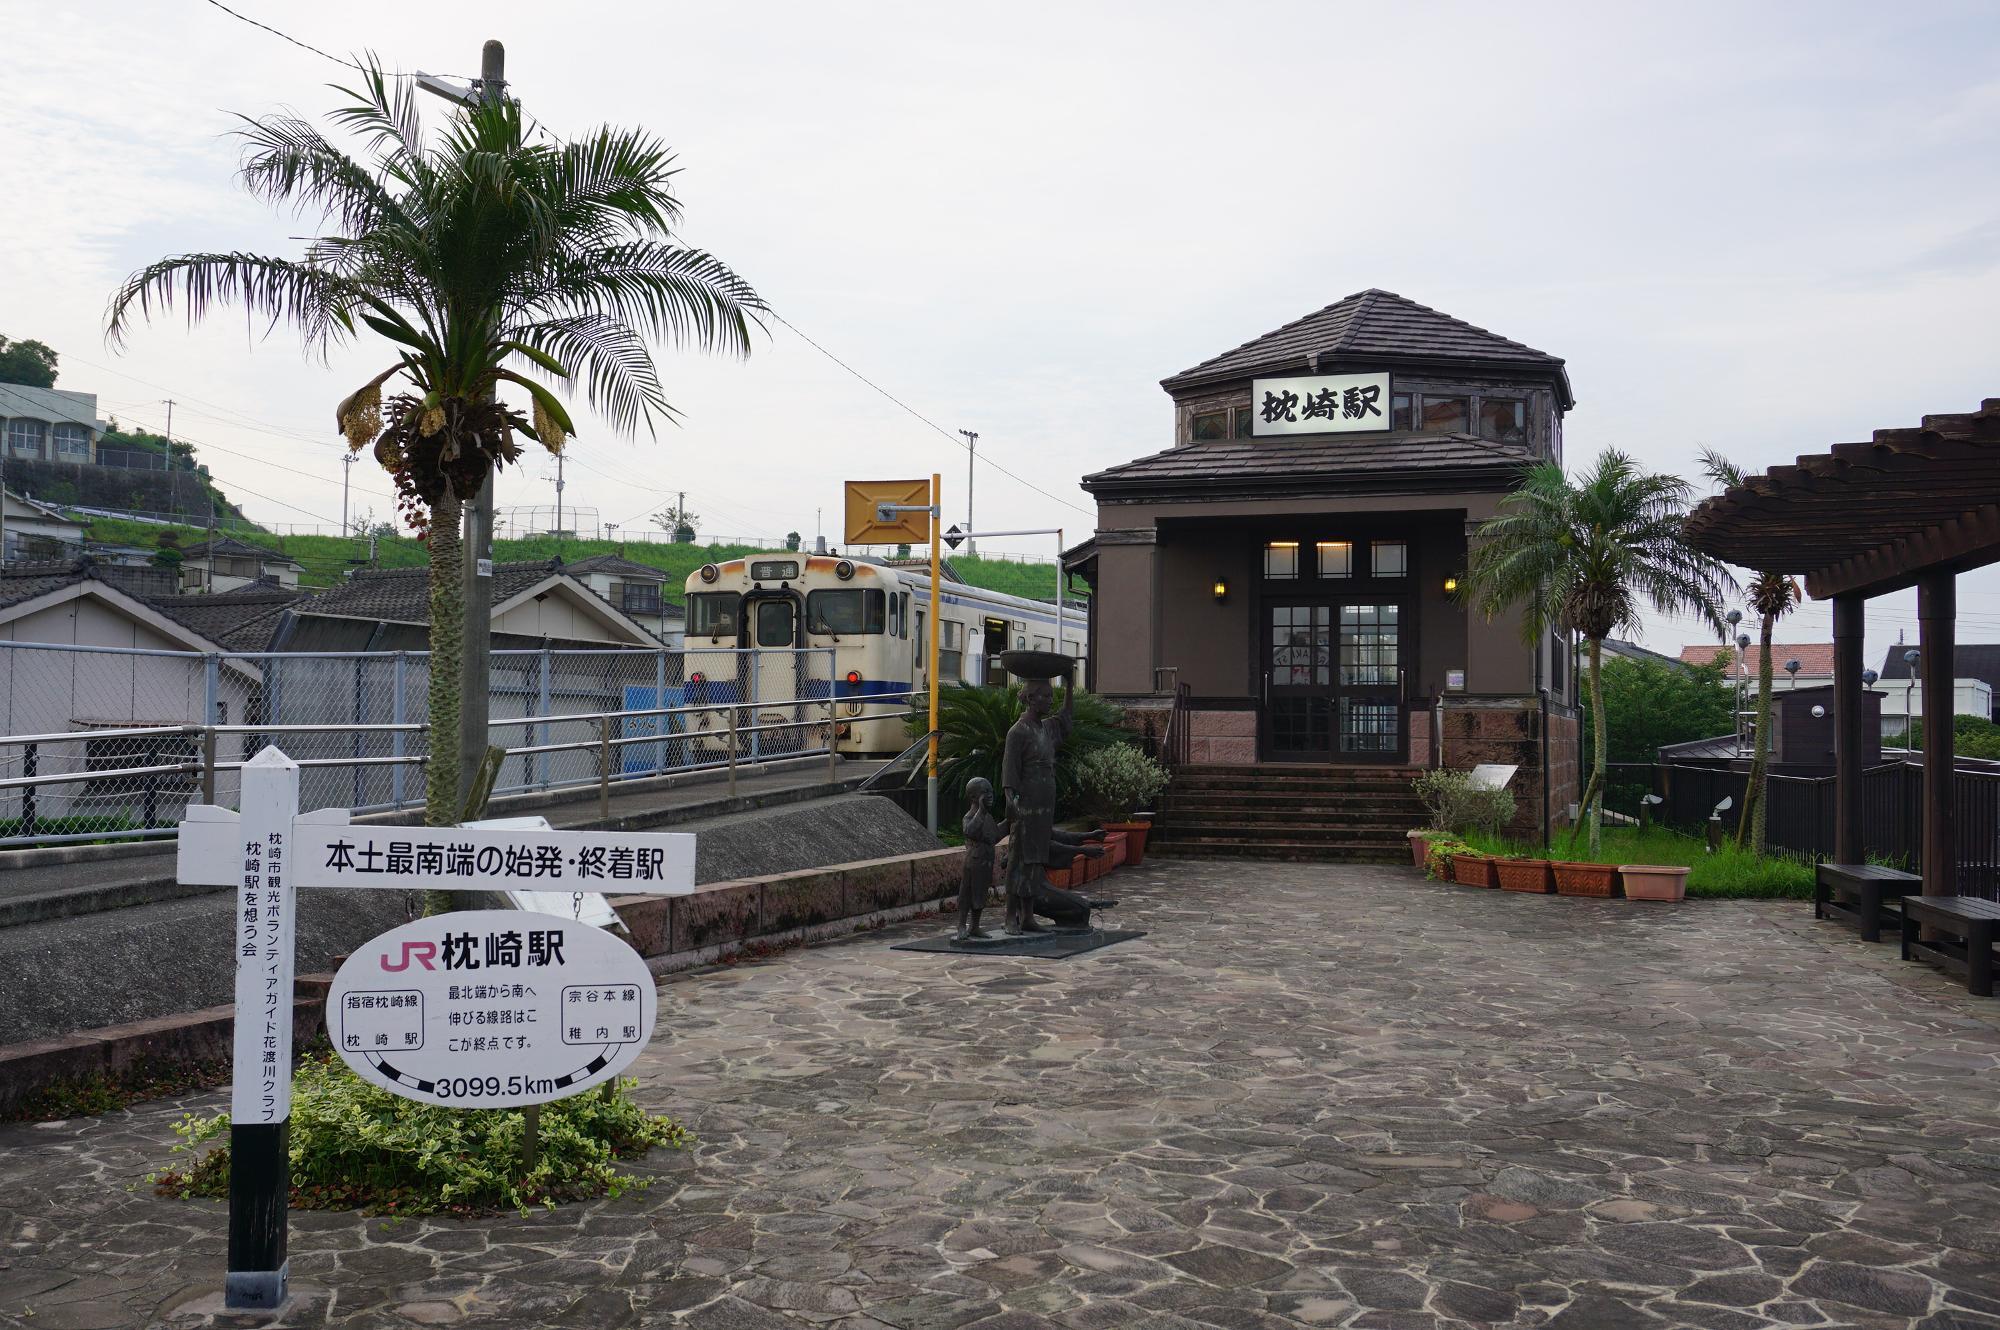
{"points": [[211, 688], [542, 702], [660, 722], [604, 768], [732, 752], [30, 765], [396, 714], [152, 806], [832, 749], [756, 748], [208, 764]]}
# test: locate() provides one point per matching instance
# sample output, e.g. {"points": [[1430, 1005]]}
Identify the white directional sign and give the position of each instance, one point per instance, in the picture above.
{"points": [[491, 1009], [328, 851]]}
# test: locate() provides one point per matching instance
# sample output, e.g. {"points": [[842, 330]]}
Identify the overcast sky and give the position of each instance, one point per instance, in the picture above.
{"points": [[1764, 228]]}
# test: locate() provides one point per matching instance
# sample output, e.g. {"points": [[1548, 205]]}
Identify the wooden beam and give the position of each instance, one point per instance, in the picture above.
{"points": [[1971, 541]]}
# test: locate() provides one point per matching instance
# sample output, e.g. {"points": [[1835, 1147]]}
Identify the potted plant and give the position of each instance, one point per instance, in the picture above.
{"points": [[1437, 862], [1114, 782], [1575, 878], [1457, 806], [1654, 882], [1115, 843], [1529, 875]]}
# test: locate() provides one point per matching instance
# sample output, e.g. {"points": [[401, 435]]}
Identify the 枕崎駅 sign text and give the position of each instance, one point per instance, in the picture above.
{"points": [[1320, 404]]}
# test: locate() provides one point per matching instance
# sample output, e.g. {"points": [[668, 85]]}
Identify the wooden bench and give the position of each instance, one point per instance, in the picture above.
{"points": [[1965, 942], [1861, 894]]}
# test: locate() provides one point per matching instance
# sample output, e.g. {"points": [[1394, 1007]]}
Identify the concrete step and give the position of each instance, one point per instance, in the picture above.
{"points": [[1326, 833], [1317, 825], [1287, 851], [1303, 802], [1327, 769]]}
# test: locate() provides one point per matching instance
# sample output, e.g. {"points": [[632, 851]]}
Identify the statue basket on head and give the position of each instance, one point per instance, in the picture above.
{"points": [[1028, 776]]}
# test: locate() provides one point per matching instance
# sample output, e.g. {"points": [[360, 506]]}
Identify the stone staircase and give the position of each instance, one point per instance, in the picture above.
{"points": [[1325, 814]]}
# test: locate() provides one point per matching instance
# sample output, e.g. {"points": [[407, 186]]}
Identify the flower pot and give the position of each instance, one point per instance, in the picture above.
{"points": [[1473, 870], [1116, 847], [1529, 875], [1654, 882], [1093, 869], [1060, 877], [1574, 879], [1135, 839], [1420, 847]]}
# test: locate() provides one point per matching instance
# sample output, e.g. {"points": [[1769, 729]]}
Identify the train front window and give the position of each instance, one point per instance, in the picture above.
{"points": [[714, 613], [774, 623], [849, 612]]}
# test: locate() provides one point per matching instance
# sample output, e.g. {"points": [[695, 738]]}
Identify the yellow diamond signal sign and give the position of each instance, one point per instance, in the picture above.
{"points": [[872, 518]]}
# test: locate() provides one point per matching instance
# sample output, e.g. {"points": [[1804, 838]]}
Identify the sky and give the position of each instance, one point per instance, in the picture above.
{"points": [[1760, 228]]}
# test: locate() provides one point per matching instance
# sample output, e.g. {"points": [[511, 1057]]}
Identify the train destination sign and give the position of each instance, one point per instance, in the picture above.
{"points": [[491, 1009], [1319, 404]]}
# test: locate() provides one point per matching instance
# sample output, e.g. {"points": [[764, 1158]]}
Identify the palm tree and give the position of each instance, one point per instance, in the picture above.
{"points": [[491, 255], [1772, 596], [1584, 556]]}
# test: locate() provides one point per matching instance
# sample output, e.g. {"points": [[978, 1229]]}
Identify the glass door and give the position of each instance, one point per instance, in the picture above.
{"points": [[1369, 686], [1298, 682]]}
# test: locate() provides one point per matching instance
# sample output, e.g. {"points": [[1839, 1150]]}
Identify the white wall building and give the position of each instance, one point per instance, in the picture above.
{"points": [[1902, 700]]}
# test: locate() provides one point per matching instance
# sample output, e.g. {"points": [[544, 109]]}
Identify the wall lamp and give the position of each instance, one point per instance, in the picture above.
{"points": [[1450, 585], [1221, 590]]}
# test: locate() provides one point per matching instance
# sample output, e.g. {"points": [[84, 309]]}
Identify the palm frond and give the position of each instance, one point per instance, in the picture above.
{"points": [[320, 304]]}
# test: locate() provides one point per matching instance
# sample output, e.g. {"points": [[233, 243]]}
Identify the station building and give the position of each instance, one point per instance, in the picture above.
{"points": [[1291, 559]]}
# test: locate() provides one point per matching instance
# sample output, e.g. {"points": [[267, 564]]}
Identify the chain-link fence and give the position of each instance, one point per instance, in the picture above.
{"points": [[102, 743]]}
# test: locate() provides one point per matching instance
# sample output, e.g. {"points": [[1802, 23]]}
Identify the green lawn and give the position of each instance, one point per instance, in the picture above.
{"points": [[1729, 872], [327, 558]]}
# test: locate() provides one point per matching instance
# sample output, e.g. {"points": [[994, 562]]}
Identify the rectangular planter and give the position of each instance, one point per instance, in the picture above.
{"points": [[1574, 879], [1473, 870], [1528, 875], [1114, 847], [1654, 882]]}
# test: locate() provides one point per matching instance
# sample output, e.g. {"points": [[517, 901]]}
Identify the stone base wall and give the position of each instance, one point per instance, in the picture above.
{"points": [[671, 932], [1222, 737], [1419, 721], [1508, 731]]}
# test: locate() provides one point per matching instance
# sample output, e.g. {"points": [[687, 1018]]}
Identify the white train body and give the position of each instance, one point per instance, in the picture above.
{"points": [[758, 631]]}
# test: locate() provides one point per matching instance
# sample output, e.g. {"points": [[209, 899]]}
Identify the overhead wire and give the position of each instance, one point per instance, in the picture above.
{"points": [[308, 46]]}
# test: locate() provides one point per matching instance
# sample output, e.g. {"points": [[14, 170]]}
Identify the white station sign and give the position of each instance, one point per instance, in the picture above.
{"points": [[491, 1009], [1319, 404]]}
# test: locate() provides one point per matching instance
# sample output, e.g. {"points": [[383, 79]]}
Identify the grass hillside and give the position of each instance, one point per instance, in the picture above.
{"points": [[327, 558]]}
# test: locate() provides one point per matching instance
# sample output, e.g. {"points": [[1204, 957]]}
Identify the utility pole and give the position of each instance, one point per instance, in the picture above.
{"points": [[971, 456], [346, 470], [559, 490]]}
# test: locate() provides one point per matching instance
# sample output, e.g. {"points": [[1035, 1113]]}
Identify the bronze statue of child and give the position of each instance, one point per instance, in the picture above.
{"points": [[982, 834]]}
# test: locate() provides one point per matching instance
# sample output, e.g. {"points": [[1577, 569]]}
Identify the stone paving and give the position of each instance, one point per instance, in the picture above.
{"points": [[1312, 1096]]}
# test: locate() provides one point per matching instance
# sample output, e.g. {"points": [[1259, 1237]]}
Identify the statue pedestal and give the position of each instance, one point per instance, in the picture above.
{"points": [[1050, 944]]}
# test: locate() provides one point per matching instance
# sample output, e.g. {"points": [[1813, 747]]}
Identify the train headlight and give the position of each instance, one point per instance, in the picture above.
{"points": [[709, 572], [854, 678], [844, 569], [697, 678]]}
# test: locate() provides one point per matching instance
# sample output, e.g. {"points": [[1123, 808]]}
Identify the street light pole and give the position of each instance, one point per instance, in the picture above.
{"points": [[971, 456]]}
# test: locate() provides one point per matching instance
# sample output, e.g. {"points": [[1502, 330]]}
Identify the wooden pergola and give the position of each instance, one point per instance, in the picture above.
{"points": [[1911, 507]]}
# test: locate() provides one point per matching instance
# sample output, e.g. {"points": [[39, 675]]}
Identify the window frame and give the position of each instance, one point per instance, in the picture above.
{"points": [[1320, 548], [791, 641], [1375, 561], [1195, 419], [691, 624], [69, 430], [1296, 548], [874, 611], [1424, 401], [1520, 405]]}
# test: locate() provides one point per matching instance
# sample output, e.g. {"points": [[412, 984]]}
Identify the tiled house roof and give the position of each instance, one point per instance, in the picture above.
{"points": [[229, 547], [402, 595], [1814, 658], [616, 566], [242, 620], [1375, 325], [1457, 461]]}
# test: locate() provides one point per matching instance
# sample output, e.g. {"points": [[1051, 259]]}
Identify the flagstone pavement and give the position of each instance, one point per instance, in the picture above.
{"points": [[1311, 1096]]}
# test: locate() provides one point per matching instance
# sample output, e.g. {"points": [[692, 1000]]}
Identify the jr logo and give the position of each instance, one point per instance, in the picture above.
{"points": [[420, 952]]}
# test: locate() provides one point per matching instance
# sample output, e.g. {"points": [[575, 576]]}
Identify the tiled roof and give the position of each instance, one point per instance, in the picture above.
{"points": [[24, 581], [1814, 658], [1293, 462], [1633, 651], [241, 620], [230, 547], [612, 563], [1371, 323], [402, 595]]}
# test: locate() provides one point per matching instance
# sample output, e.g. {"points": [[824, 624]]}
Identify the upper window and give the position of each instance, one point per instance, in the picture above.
{"points": [[776, 624], [1401, 414], [951, 649], [1389, 558], [1243, 422], [1281, 558], [72, 439], [714, 613], [1210, 425], [849, 611], [24, 438], [1447, 413], [1503, 420], [1336, 558]]}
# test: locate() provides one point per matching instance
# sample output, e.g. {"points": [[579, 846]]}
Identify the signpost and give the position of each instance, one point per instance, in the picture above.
{"points": [[491, 1009], [270, 850], [893, 512]]}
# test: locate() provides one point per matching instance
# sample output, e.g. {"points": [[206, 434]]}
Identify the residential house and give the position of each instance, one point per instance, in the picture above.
{"points": [[1903, 698], [1815, 660], [1970, 660], [37, 532], [224, 564], [639, 590]]}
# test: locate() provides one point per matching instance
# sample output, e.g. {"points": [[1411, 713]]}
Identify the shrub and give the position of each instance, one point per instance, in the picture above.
{"points": [[1458, 806], [973, 721], [354, 1146], [1116, 781], [1437, 859]]}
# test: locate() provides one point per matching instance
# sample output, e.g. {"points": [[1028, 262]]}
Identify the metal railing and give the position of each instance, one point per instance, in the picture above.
{"points": [[113, 743], [734, 739]]}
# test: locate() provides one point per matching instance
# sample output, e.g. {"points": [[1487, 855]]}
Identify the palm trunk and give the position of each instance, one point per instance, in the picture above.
{"points": [[1594, 793], [1750, 827], [447, 601]]}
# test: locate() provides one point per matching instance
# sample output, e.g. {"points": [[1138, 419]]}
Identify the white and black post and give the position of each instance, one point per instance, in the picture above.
{"points": [[260, 1109]]}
